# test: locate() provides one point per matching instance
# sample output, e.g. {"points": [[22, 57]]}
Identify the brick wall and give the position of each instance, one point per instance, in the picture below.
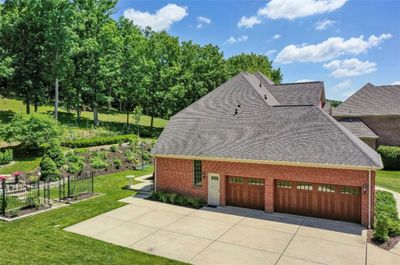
{"points": [[177, 175]]}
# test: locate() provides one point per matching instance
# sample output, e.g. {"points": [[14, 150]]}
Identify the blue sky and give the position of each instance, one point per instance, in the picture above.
{"points": [[343, 43]]}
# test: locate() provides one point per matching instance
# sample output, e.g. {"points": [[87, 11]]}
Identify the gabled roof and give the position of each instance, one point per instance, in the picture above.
{"points": [[358, 128], [260, 131], [371, 100]]}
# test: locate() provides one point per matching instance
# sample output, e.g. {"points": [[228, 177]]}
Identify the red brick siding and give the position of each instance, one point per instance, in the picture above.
{"points": [[177, 175]]}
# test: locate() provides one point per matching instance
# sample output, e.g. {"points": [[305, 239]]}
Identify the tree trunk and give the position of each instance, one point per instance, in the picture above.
{"points": [[95, 114], [36, 104], [28, 103], [152, 121], [78, 107], [56, 99], [127, 117]]}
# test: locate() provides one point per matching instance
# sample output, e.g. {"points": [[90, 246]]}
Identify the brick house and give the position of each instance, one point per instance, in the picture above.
{"points": [[246, 144], [372, 114]]}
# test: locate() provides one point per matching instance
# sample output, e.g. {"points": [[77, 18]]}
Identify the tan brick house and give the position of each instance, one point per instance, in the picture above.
{"points": [[372, 114], [246, 144]]}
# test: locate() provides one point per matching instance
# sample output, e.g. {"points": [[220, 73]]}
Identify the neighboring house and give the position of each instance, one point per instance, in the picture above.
{"points": [[373, 114], [251, 143]]}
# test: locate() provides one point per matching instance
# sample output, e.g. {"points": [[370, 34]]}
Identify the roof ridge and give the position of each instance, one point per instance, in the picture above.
{"points": [[294, 83], [269, 95], [355, 140]]}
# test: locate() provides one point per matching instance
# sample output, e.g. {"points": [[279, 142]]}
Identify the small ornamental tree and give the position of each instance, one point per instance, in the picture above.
{"points": [[49, 169], [32, 130], [137, 115], [55, 152]]}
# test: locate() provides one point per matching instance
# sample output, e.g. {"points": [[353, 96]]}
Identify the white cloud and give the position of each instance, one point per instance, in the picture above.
{"points": [[395, 83], [342, 85], [329, 49], [290, 9], [248, 22], [304, 80], [162, 19], [270, 52], [203, 21], [232, 39], [324, 24], [350, 67], [276, 36]]}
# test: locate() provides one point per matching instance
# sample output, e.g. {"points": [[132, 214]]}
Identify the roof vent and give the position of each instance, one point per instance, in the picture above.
{"points": [[260, 84], [239, 106], [236, 112], [265, 97]]}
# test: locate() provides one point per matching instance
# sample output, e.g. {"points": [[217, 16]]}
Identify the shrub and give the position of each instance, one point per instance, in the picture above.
{"points": [[31, 130], [117, 163], [113, 148], [49, 169], [6, 156], [72, 157], [129, 155], [178, 199], [386, 204], [390, 156], [394, 227], [75, 168], [98, 163], [32, 200], [55, 152], [381, 228], [98, 141]]}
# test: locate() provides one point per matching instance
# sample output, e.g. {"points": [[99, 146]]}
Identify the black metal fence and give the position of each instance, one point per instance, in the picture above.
{"points": [[72, 186], [18, 195]]}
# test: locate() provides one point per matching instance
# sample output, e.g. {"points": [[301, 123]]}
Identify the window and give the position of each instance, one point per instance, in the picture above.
{"points": [[326, 188], [283, 184], [304, 186], [237, 180], [197, 172], [257, 182], [350, 191]]}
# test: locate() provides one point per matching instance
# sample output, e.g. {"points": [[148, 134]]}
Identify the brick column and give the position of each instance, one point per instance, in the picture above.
{"points": [[269, 195]]}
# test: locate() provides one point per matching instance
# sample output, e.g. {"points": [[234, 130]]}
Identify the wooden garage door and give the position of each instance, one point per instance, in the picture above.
{"points": [[318, 200], [245, 192]]}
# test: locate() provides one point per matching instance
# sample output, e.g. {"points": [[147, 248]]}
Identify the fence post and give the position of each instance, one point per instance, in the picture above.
{"points": [[3, 204], [69, 186]]}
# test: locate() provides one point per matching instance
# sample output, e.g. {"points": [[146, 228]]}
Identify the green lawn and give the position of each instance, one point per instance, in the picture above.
{"points": [[21, 164], [9, 106], [41, 239], [388, 179]]}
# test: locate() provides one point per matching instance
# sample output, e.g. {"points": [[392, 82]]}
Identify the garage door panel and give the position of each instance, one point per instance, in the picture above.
{"points": [[319, 200], [245, 192]]}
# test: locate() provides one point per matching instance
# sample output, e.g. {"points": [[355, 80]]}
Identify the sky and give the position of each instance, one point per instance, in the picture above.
{"points": [[345, 43]]}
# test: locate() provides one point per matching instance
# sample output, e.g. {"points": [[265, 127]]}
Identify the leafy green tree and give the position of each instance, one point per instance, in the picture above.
{"points": [[31, 130], [55, 152], [48, 169], [58, 42], [253, 63], [137, 115]]}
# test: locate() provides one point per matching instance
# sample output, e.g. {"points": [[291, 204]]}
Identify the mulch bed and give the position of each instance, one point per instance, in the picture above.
{"points": [[388, 245]]}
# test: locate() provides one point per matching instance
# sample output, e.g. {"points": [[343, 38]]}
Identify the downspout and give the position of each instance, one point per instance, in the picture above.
{"points": [[369, 198], [155, 174]]}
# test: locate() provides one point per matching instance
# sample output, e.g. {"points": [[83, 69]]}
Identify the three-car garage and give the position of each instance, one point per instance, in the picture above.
{"points": [[311, 199]]}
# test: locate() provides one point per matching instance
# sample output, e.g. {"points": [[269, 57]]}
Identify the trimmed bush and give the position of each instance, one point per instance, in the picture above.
{"points": [[394, 227], [98, 141], [178, 199], [98, 163], [390, 156], [49, 169], [6, 156], [381, 233], [386, 204], [55, 152]]}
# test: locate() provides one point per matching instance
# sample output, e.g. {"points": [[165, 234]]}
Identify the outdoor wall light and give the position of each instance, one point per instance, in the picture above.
{"points": [[365, 187]]}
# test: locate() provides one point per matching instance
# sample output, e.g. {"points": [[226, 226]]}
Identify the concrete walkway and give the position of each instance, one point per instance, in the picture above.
{"points": [[231, 235], [396, 196]]}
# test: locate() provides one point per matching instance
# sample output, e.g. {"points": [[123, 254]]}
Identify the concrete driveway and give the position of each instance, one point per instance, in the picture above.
{"points": [[230, 235]]}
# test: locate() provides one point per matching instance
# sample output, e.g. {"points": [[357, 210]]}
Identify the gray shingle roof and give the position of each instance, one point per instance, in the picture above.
{"points": [[371, 100], [260, 131], [358, 128]]}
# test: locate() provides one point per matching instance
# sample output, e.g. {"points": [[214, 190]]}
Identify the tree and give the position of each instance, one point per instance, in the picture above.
{"points": [[31, 130], [58, 42], [6, 69], [159, 68], [253, 63], [48, 169], [137, 115]]}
